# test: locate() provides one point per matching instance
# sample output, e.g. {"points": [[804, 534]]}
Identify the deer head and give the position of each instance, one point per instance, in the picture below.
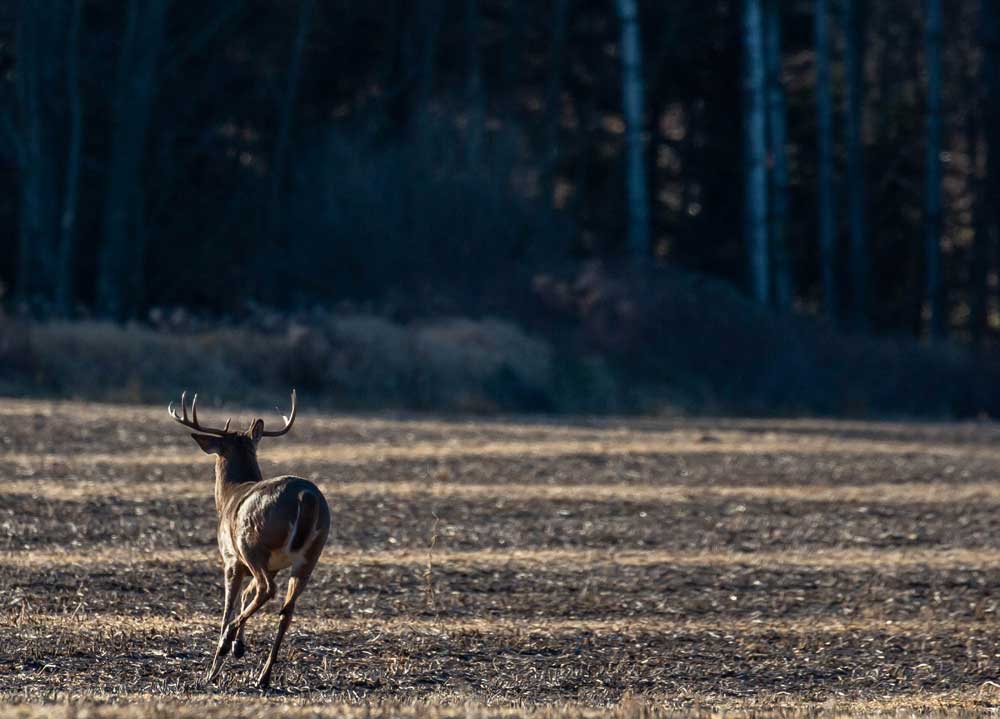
{"points": [[226, 442]]}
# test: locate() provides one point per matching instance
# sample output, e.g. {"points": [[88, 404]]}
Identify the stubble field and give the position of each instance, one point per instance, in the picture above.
{"points": [[496, 568]]}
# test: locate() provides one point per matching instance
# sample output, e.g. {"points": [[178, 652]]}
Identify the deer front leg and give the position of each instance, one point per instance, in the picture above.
{"points": [[234, 576]]}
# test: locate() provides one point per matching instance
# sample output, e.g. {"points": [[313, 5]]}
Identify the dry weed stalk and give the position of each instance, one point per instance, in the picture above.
{"points": [[429, 591]]}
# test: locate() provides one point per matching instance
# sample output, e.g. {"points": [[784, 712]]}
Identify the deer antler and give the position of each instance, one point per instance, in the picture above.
{"points": [[288, 421], [193, 422]]}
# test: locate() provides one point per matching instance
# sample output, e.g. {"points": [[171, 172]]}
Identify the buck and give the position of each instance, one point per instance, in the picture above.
{"points": [[265, 526]]}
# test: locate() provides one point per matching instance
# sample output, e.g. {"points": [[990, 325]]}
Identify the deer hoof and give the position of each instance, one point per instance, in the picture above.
{"points": [[264, 681], [239, 649]]}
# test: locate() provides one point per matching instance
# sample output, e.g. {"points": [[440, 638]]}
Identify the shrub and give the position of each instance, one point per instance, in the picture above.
{"points": [[353, 360], [618, 341], [718, 351]]}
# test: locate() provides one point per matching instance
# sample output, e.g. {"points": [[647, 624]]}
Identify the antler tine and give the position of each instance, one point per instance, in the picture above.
{"points": [[173, 412], [192, 422], [289, 420]]}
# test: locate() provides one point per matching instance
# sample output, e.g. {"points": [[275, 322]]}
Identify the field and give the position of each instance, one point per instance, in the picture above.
{"points": [[500, 568]]}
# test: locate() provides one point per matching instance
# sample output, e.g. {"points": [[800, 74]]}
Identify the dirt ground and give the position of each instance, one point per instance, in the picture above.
{"points": [[504, 568]]}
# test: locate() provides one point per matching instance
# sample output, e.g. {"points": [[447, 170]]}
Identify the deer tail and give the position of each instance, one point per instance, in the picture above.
{"points": [[307, 520]]}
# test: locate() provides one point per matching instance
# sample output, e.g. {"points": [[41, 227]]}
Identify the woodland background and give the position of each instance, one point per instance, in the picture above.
{"points": [[503, 205]]}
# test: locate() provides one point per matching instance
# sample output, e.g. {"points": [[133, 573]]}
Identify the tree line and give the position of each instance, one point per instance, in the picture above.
{"points": [[832, 157]]}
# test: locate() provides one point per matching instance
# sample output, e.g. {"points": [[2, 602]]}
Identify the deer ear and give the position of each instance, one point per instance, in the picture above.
{"points": [[257, 430], [208, 443]]}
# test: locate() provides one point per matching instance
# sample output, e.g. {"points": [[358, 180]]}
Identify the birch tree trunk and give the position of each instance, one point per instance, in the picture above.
{"points": [[854, 73], [932, 173], [120, 279], [825, 191], [632, 105], [286, 115], [755, 146], [783, 281]]}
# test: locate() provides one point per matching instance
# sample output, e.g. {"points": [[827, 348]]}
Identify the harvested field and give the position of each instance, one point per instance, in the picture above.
{"points": [[503, 568]]}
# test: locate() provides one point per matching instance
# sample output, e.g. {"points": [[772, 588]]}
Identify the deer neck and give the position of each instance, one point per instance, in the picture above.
{"points": [[231, 473]]}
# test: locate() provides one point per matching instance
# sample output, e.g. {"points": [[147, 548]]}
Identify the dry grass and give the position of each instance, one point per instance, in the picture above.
{"points": [[612, 445], [575, 570], [113, 558], [881, 493]]}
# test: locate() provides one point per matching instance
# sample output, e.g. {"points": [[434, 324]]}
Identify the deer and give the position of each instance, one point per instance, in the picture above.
{"points": [[265, 526]]}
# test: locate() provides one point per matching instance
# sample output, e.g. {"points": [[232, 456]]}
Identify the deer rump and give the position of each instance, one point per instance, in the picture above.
{"points": [[277, 522]]}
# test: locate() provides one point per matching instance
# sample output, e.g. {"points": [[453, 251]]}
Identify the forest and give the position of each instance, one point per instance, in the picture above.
{"points": [[619, 178]]}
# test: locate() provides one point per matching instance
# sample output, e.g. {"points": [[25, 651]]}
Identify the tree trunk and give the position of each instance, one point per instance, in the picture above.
{"points": [[40, 36], [512, 60], [633, 105], [854, 72], [887, 89], [28, 148], [987, 195], [932, 200], [67, 239], [473, 86], [286, 115], [120, 280], [784, 288], [755, 145], [978, 290], [553, 102], [826, 201], [429, 25]]}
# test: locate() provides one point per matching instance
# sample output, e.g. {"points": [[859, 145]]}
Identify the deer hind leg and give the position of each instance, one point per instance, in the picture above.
{"points": [[234, 576], [263, 582], [239, 647], [296, 585]]}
